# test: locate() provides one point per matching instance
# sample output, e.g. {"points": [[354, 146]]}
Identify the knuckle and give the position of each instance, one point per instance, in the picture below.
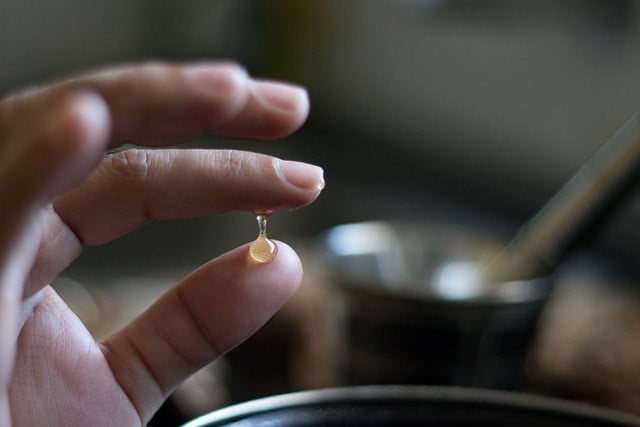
{"points": [[234, 163], [243, 166], [131, 164]]}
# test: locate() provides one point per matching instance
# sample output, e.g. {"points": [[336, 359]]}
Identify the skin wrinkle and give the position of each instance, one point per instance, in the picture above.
{"points": [[134, 165], [171, 162], [109, 355], [203, 336], [233, 161], [76, 371], [200, 327], [45, 379], [180, 354], [238, 163], [55, 342], [138, 353], [87, 363]]}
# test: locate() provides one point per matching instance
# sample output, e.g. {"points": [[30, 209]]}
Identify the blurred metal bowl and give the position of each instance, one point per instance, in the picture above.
{"points": [[418, 311]]}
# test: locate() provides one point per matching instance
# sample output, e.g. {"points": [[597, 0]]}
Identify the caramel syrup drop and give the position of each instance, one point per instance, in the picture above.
{"points": [[262, 249]]}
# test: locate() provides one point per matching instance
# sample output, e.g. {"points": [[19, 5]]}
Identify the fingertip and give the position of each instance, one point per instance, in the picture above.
{"points": [[284, 97], [304, 176], [273, 110], [286, 267], [285, 105], [55, 142], [268, 285], [84, 123], [93, 115], [224, 86], [75, 139], [76, 126], [281, 276]]}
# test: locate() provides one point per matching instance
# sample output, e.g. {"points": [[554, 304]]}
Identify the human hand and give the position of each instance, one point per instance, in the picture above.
{"points": [[59, 192]]}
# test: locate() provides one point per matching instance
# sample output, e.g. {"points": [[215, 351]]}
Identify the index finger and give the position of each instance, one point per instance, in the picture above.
{"points": [[163, 103]]}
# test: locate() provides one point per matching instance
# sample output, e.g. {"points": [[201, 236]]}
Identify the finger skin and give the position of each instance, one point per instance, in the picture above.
{"points": [[210, 312], [163, 103], [132, 187], [61, 377]]}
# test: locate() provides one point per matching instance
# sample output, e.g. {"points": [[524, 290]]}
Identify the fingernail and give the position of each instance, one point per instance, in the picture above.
{"points": [[217, 79], [281, 96], [302, 175]]}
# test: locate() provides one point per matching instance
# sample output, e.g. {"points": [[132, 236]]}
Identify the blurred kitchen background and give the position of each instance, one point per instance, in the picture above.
{"points": [[432, 111]]}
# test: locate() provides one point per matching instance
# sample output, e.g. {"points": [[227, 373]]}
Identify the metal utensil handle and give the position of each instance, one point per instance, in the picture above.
{"points": [[580, 206]]}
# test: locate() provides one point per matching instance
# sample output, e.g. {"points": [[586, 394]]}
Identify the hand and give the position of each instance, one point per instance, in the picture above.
{"points": [[59, 191]]}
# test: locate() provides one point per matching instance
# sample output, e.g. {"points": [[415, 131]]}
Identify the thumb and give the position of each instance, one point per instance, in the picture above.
{"points": [[211, 311]]}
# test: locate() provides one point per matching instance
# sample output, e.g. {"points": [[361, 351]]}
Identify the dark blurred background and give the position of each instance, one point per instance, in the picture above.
{"points": [[422, 110]]}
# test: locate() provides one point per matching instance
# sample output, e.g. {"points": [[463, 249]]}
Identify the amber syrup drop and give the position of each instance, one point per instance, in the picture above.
{"points": [[262, 249]]}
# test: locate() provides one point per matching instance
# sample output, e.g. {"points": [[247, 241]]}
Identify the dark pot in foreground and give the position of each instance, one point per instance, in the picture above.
{"points": [[412, 406]]}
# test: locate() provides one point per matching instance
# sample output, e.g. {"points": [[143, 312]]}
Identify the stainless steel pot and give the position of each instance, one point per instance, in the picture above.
{"points": [[419, 312]]}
